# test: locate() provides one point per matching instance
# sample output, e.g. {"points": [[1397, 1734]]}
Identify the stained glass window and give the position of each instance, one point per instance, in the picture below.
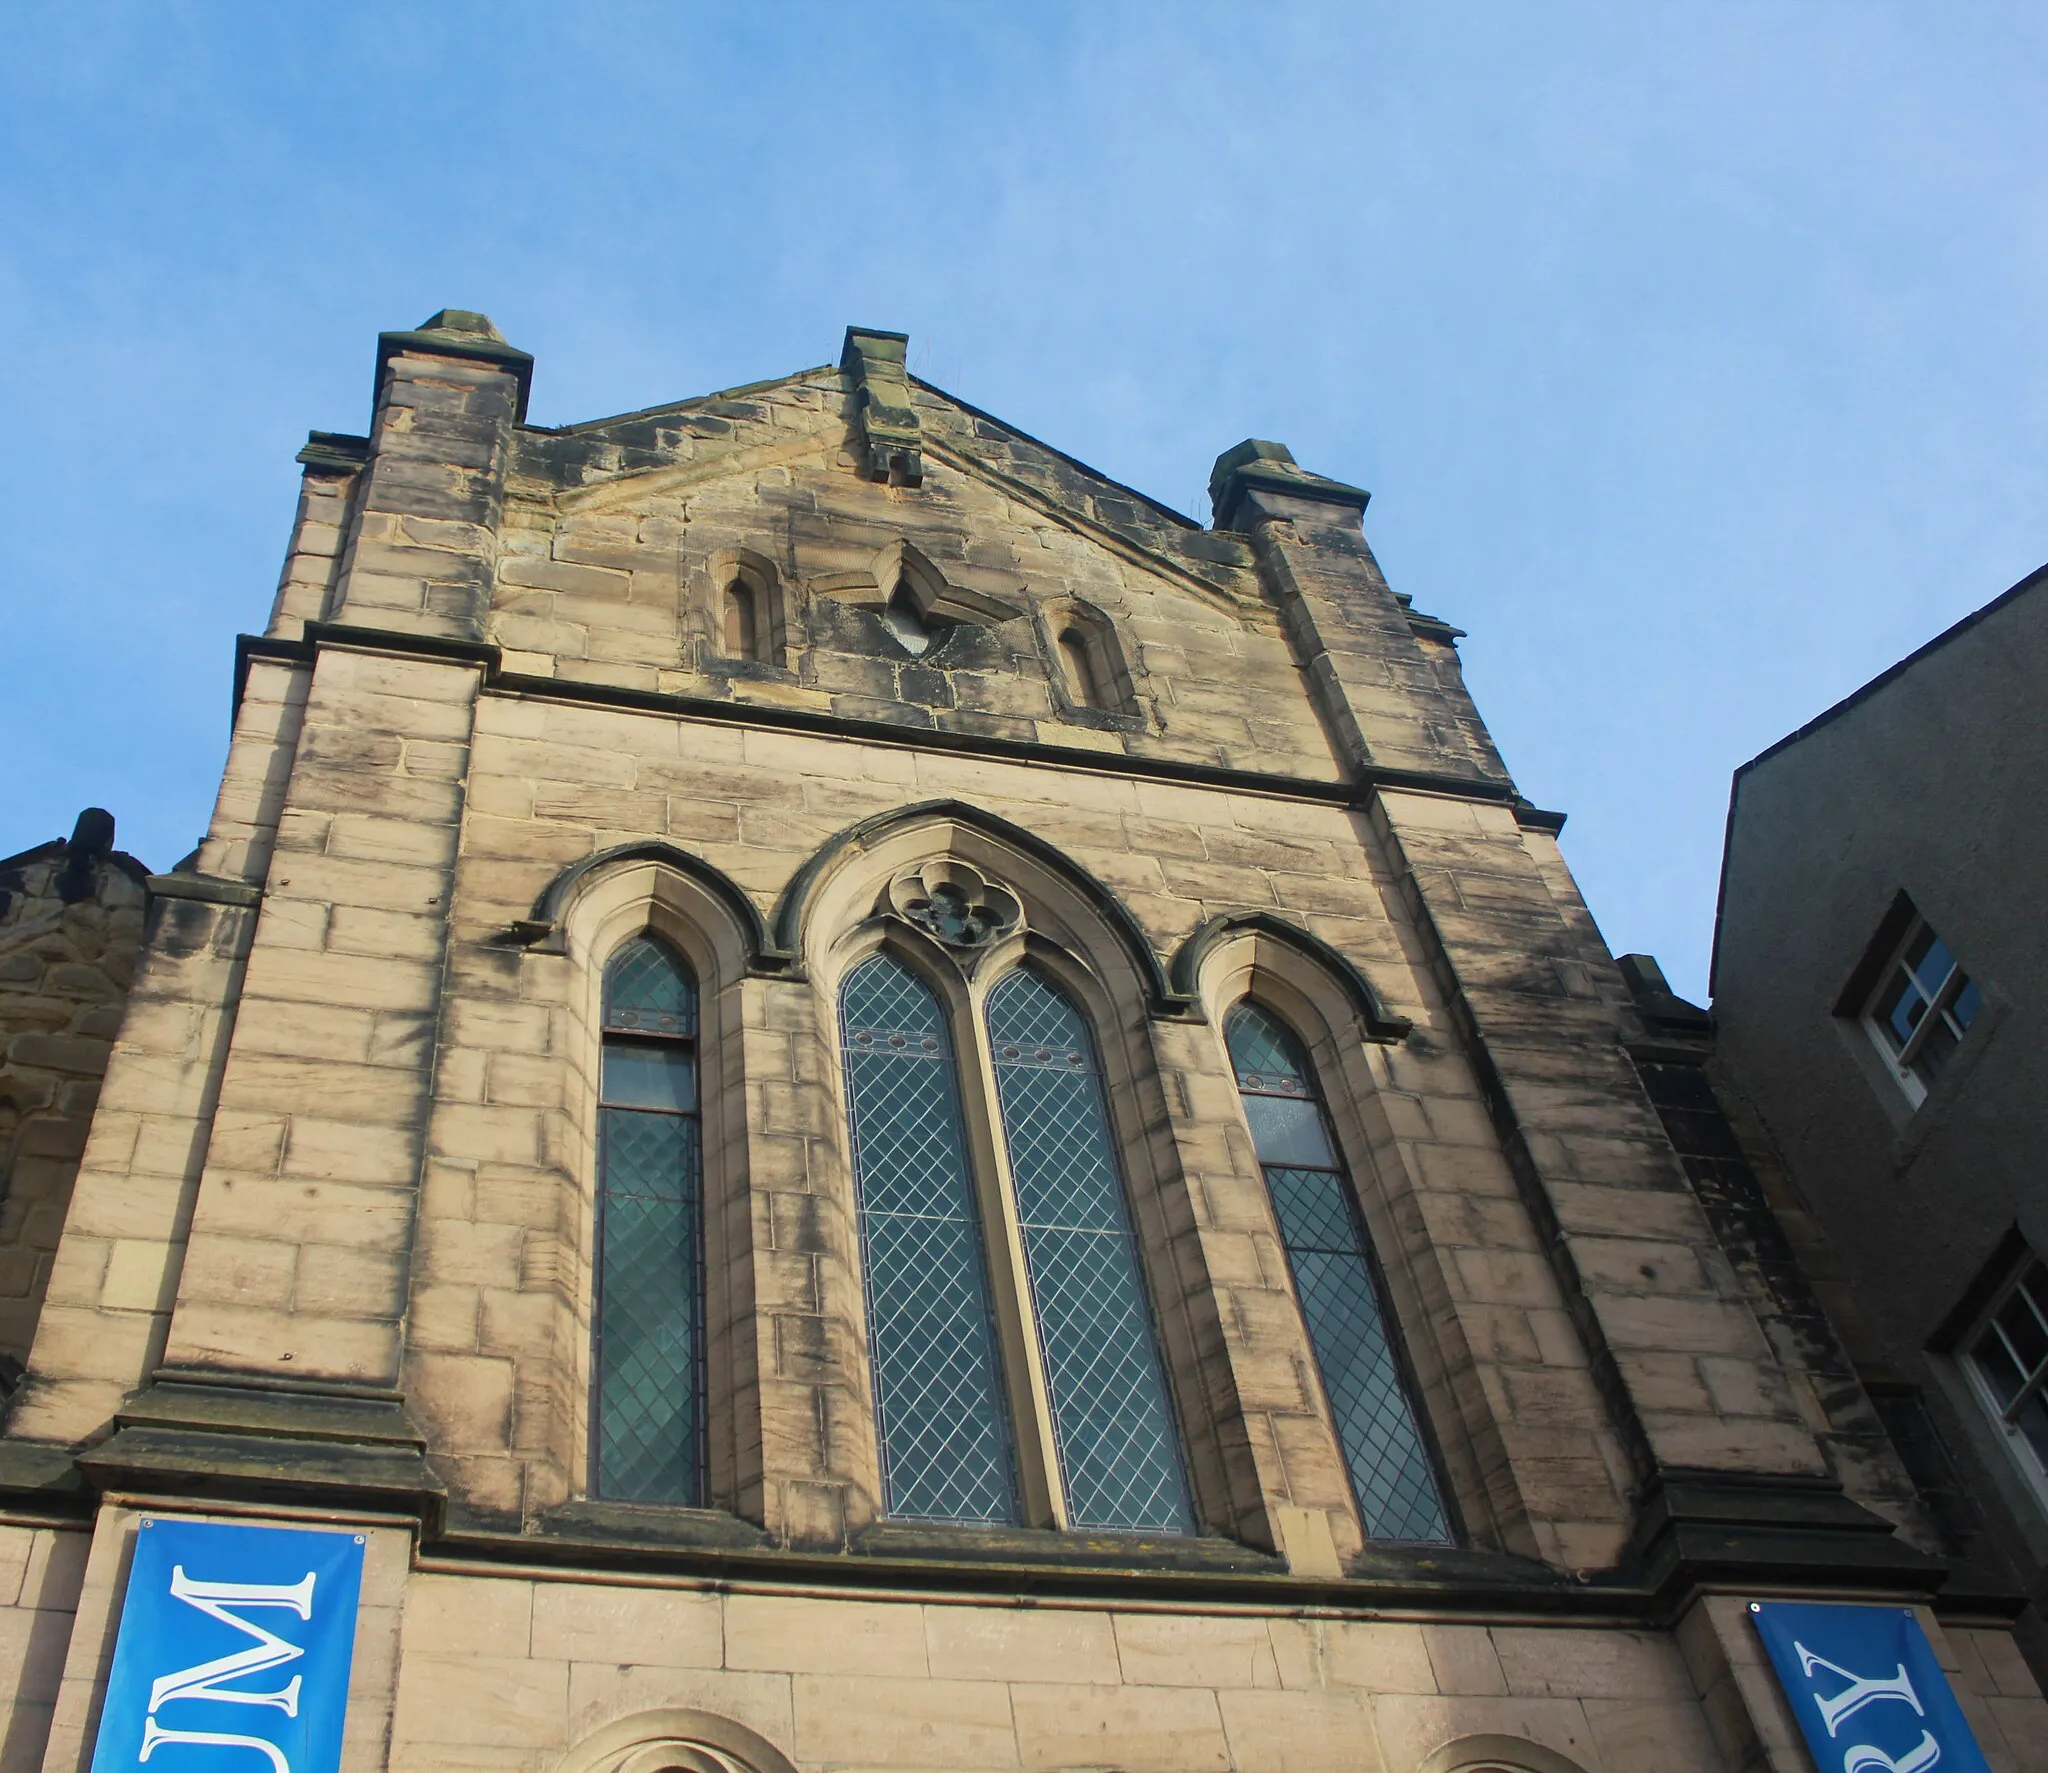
{"points": [[648, 1379], [1113, 1427], [944, 1429], [1331, 1261]]}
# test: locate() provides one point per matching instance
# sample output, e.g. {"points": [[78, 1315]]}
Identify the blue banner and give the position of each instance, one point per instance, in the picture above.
{"points": [[1866, 1689], [234, 1650]]}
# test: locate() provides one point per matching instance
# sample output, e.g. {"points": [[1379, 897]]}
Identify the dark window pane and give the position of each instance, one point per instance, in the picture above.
{"points": [[2032, 1422], [1934, 1051], [1288, 1130], [647, 986], [1900, 1009], [2035, 1286], [649, 1386], [2023, 1332], [1998, 1368], [1930, 960], [1968, 1001], [1118, 1449], [1265, 1052], [649, 1075], [938, 1386]]}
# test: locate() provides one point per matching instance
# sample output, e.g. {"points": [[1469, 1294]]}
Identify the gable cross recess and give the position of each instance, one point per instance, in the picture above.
{"points": [[890, 440]]}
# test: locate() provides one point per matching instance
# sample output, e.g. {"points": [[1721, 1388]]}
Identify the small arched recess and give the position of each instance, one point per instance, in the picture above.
{"points": [[675, 1740], [599, 911], [1497, 1754], [743, 609], [1089, 669]]}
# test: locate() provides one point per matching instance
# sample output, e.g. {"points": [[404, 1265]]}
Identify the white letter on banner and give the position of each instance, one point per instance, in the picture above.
{"points": [[153, 1734], [1874, 1760], [1861, 1691], [219, 1599]]}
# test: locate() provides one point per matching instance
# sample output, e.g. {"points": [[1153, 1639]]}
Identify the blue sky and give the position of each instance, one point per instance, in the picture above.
{"points": [[1693, 353]]}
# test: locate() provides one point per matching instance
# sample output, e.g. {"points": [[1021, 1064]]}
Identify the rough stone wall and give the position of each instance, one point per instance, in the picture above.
{"points": [[608, 576], [344, 1169], [393, 1152], [508, 1160], [41, 1570], [71, 921], [505, 1675]]}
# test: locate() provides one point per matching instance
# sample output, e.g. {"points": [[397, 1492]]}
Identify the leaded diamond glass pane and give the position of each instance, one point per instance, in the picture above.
{"points": [[1118, 1449], [938, 1385], [649, 1387], [1315, 1211], [1390, 1471], [647, 987], [1265, 1052]]}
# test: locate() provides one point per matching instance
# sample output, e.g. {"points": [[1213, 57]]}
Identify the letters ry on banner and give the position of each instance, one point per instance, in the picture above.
{"points": [[1866, 1689]]}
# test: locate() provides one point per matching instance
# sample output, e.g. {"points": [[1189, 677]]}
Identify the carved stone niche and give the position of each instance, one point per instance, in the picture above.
{"points": [[955, 904]]}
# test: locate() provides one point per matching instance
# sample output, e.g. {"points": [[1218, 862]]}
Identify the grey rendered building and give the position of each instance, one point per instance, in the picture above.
{"points": [[1879, 978]]}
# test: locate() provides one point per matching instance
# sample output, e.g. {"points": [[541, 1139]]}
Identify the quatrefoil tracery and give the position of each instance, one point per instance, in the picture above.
{"points": [[955, 904]]}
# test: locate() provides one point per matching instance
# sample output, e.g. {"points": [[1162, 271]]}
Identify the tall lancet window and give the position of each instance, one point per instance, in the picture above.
{"points": [[648, 1378], [945, 1433], [1327, 1251], [1113, 1429]]}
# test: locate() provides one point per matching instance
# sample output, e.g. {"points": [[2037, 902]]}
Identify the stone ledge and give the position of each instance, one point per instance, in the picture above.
{"points": [[205, 1435], [211, 889], [1080, 1549], [333, 452], [1705, 1529], [1359, 789], [596, 1522]]}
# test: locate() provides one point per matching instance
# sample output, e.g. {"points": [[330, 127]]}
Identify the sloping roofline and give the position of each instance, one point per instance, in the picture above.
{"points": [[2032, 582], [581, 426]]}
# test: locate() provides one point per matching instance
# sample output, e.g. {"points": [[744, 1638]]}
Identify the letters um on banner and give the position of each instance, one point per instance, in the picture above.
{"points": [[288, 1596]]}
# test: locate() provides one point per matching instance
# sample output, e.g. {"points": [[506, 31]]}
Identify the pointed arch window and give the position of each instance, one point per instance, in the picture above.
{"points": [[1083, 1354], [944, 1429], [1330, 1258], [648, 1362], [1113, 1431]]}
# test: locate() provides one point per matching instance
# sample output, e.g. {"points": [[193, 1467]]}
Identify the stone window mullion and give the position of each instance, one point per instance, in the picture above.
{"points": [[1045, 1502]]}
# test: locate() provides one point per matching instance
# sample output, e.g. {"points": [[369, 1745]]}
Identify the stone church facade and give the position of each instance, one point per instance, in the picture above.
{"points": [[870, 1103]]}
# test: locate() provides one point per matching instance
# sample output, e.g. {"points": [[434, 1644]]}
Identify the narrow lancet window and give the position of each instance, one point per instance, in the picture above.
{"points": [[944, 1429], [1113, 1426], [648, 1381], [1327, 1251], [742, 622]]}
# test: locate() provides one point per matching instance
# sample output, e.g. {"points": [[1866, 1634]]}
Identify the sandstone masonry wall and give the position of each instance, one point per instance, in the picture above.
{"points": [[70, 924]]}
